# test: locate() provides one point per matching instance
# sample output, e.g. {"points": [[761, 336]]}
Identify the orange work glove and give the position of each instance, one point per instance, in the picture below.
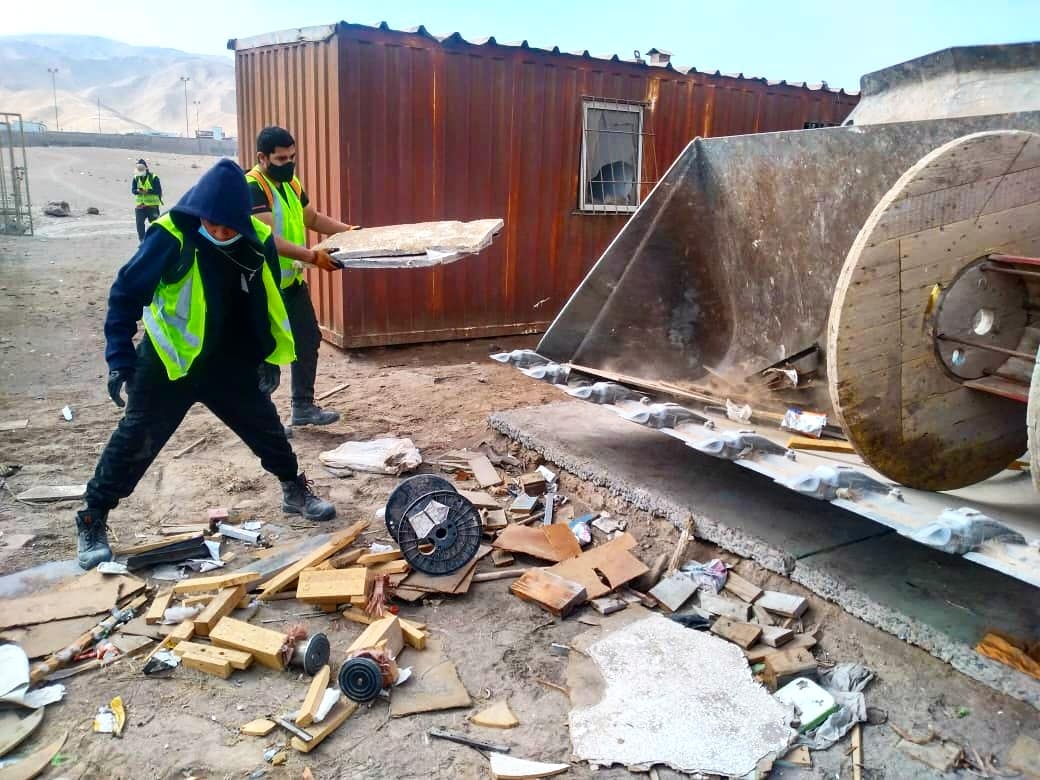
{"points": [[324, 261]]}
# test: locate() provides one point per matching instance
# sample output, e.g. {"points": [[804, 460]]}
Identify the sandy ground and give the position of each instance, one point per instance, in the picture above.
{"points": [[53, 292]]}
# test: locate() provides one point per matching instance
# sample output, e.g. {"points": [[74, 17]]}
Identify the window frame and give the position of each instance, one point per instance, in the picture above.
{"points": [[608, 105]]}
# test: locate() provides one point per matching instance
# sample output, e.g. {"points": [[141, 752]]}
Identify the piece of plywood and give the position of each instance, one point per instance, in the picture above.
{"points": [[818, 445], [14, 728], [312, 701], [504, 767], [741, 588], [902, 412], [52, 493], [332, 585], [784, 604], [337, 716], [497, 716], [480, 499], [1000, 649], [485, 474], [790, 663], [741, 634], [612, 561], [264, 644], [34, 763], [762, 617], [775, 636], [419, 585], [371, 559], [421, 243], [720, 605], [289, 575], [218, 582], [14, 425], [434, 685], [758, 653], [414, 636], [220, 606], [260, 727], [549, 590], [386, 629], [548, 542], [43, 639], [502, 558], [356, 615], [238, 659]]}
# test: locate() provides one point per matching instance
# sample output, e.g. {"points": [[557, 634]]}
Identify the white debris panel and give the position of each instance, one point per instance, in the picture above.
{"points": [[411, 246], [677, 697]]}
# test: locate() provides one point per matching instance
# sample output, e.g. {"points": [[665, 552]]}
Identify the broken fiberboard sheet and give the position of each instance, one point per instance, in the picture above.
{"points": [[410, 246], [434, 684], [689, 700]]}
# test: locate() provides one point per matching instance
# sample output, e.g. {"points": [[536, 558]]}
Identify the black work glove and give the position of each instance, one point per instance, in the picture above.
{"points": [[270, 378], [116, 381]]}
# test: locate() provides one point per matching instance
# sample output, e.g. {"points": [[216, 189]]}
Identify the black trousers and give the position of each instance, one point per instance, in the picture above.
{"points": [[151, 213], [307, 336], [156, 406]]}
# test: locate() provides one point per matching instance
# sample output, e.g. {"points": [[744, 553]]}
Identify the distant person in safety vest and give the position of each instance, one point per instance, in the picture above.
{"points": [[147, 190], [279, 200], [204, 282]]}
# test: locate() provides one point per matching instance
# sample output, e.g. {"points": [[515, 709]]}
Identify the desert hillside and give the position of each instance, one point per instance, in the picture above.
{"points": [[139, 86]]}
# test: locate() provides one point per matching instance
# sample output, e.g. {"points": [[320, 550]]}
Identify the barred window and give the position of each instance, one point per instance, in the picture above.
{"points": [[611, 156]]}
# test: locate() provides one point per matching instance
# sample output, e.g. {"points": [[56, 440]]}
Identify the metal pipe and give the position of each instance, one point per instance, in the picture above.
{"points": [[988, 347], [1010, 271], [1015, 259]]}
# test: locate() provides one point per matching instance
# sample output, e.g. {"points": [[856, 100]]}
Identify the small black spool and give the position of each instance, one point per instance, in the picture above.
{"points": [[360, 680], [447, 545], [316, 655], [406, 493]]}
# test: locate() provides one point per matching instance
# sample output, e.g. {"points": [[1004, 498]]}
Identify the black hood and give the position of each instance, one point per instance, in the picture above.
{"points": [[221, 196]]}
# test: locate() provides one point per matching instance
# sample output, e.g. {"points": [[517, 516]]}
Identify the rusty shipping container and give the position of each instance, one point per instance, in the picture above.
{"points": [[395, 127]]}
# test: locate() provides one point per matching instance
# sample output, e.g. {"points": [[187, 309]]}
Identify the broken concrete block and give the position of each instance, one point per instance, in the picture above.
{"points": [[674, 590]]}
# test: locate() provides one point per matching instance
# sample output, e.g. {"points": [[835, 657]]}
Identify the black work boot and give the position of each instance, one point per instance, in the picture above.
{"points": [[92, 542], [298, 498], [312, 414]]}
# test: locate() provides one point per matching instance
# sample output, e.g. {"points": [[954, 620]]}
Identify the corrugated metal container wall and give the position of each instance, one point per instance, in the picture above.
{"points": [[400, 127]]}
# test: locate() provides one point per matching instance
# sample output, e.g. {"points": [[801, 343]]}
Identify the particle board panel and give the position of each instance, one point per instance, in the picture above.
{"points": [[338, 585], [551, 591], [913, 423], [611, 561]]}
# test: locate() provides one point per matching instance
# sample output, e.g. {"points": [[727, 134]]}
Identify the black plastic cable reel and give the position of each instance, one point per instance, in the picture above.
{"points": [[360, 679], [440, 532], [406, 493]]}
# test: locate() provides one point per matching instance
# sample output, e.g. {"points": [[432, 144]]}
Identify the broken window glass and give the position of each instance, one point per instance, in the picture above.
{"points": [[611, 156]]}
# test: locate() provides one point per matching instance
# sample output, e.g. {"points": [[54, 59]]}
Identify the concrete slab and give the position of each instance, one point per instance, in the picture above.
{"points": [[941, 603]]}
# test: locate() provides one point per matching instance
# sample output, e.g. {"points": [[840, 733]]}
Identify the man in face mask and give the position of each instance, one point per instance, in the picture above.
{"points": [[147, 190], [280, 201], [204, 283]]}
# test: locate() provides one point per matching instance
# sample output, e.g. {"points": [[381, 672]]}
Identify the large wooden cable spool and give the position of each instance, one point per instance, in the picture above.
{"points": [[935, 322]]}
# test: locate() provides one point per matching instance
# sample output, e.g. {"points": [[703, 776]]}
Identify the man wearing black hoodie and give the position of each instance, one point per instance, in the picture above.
{"points": [[204, 283]]}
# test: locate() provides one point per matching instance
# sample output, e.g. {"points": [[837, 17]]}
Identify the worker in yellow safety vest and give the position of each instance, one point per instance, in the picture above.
{"points": [[280, 201], [147, 191], [204, 283]]}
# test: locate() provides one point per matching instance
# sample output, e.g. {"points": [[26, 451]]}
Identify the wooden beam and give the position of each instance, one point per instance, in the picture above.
{"points": [[412, 634], [137, 549], [158, 607], [371, 559], [222, 605], [333, 585], [264, 644], [237, 658], [219, 582], [289, 575], [386, 629], [741, 588], [312, 701], [342, 710]]}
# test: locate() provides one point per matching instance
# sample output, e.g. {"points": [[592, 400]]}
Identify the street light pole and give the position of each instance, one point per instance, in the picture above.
{"points": [[187, 131], [54, 91], [197, 104]]}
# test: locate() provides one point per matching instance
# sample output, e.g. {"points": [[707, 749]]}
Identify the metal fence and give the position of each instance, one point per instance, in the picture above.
{"points": [[15, 204]]}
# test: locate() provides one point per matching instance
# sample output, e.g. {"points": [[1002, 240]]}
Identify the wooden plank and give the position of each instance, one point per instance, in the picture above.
{"points": [[419, 584], [158, 607], [342, 710], [741, 634], [14, 425], [387, 629], [201, 600], [784, 604], [182, 632], [209, 665], [762, 617], [719, 605], [741, 588], [237, 658], [392, 567], [758, 653], [486, 474], [612, 561], [544, 542], [549, 591], [309, 711], [329, 393], [492, 576], [52, 493], [371, 559], [502, 558], [857, 753], [819, 445], [222, 605], [289, 575], [137, 549], [339, 585], [59, 604], [790, 663], [358, 616], [264, 644], [480, 499], [260, 727], [413, 635], [219, 582], [774, 636]]}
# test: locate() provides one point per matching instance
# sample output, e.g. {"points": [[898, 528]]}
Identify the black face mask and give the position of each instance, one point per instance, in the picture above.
{"points": [[281, 173]]}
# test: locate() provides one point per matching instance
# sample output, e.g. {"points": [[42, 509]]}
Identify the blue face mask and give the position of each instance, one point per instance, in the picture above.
{"points": [[229, 242]]}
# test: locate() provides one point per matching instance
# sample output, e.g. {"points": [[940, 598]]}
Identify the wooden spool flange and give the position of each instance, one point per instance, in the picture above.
{"points": [[909, 406]]}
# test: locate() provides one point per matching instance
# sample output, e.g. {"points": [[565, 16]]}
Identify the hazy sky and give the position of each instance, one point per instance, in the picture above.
{"points": [[797, 40]]}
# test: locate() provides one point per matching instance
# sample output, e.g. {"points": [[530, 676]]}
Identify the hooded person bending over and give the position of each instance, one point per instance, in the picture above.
{"points": [[204, 281]]}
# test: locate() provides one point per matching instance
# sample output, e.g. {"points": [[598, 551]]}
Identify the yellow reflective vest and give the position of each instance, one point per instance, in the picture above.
{"points": [[287, 209]]}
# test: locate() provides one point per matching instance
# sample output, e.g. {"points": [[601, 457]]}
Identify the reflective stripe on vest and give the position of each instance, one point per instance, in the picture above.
{"points": [[145, 194], [287, 214], [176, 318]]}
